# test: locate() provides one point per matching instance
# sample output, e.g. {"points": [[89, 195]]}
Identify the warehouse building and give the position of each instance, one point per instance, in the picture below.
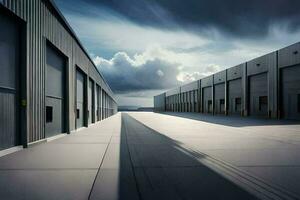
{"points": [[48, 83], [267, 87]]}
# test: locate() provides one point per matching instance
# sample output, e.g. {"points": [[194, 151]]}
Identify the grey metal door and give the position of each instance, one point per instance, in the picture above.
{"points": [[220, 98], [259, 95], [207, 100], [79, 99], [291, 92], [235, 93], [90, 101], [55, 98], [97, 103], [9, 63]]}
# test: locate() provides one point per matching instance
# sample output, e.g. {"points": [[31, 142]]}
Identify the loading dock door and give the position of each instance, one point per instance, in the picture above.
{"points": [[79, 99], [9, 62], [235, 93], [55, 98], [97, 103], [259, 95], [220, 98], [90, 101], [207, 100], [291, 92]]}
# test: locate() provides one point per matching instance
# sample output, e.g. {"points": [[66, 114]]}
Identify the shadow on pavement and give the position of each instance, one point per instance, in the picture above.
{"points": [[153, 166], [233, 121]]}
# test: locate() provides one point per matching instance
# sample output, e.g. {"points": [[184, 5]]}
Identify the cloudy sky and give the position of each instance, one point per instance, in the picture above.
{"points": [[144, 47]]}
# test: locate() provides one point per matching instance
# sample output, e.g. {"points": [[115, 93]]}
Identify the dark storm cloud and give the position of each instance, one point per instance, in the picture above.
{"points": [[123, 76], [236, 17]]}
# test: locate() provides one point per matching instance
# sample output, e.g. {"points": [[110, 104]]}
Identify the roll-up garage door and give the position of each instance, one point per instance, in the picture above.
{"points": [[80, 99], [55, 92], [291, 92], [235, 93], [207, 100], [100, 104], [97, 103], [9, 64], [259, 95], [220, 98], [90, 101]]}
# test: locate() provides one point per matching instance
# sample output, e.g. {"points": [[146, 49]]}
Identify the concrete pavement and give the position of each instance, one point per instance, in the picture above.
{"points": [[267, 149], [160, 156]]}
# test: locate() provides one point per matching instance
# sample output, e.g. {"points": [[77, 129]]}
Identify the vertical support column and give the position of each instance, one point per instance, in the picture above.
{"points": [[279, 89], [93, 102], [100, 103], [201, 97], [178, 103], [273, 87], [245, 105], [68, 93], [24, 74], [86, 112], [226, 94], [213, 95], [165, 103]]}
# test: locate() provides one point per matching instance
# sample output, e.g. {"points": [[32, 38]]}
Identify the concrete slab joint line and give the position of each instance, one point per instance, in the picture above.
{"points": [[98, 171], [260, 188]]}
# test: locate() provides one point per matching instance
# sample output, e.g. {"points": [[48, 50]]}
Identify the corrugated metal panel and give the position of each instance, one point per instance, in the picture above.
{"points": [[289, 56], [235, 72], [220, 77], [189, 87], [44, 22], [8, 136], [173, 92]]}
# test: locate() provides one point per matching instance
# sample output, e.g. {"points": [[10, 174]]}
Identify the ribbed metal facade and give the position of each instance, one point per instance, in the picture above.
{"points": [[44, 24], [267, 86]]}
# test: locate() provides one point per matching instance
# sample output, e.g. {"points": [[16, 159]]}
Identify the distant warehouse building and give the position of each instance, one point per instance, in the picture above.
{"points": [[268, 86], [48, 83]]}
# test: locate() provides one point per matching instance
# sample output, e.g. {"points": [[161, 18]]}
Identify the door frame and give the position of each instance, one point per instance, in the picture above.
{"points": [[21, 79], [66, 88], [84, 111]]}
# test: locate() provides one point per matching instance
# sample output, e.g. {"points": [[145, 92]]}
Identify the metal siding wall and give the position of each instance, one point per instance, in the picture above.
{"points": [[272, 64], [42, 22]]}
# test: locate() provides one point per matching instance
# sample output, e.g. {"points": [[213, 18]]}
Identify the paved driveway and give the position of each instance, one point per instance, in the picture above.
{"points": [[160, 156], [268, 149]]}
